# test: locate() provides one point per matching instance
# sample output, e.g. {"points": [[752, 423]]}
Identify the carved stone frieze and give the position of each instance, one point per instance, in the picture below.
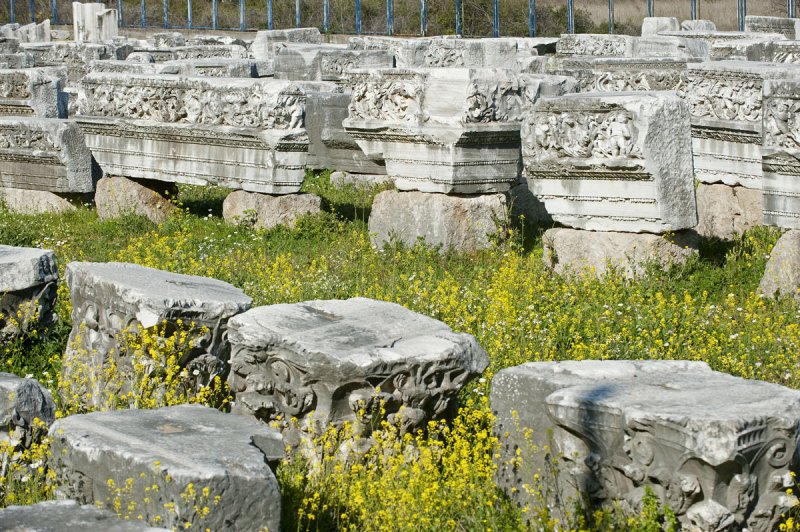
{"points": [[325, 362], [600, 45], [112, 301], [724, 96], [781, 153], [601, 162], [328, 62], [717, 449]]}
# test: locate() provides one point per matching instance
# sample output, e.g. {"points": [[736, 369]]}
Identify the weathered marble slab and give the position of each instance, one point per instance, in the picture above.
{"points": [[789, 27], [220, 67], [664, 44], [44, 154], [111, 300], [326, 62], [268, 42], [236, 133], [28, 33], [329, 145], [167, 39], [74, 56], [654, 25], [717, 449], [344, 360], [210, 51], [773, 51], [30, 92], [446, 130], [92, 22], [22, 402], [711, 37], [781, 153], [16, 60], [28, 278], [172, 448], [698, 25], [612, 161], [615, 74], [67, 515], [725, 102]]}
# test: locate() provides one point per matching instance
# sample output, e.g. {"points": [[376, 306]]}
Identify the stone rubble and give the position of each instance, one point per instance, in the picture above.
{"points": [[67, 515], [28, 279]]}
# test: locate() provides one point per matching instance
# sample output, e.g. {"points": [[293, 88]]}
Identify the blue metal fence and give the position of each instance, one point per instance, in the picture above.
{"points": [[326, 17]]}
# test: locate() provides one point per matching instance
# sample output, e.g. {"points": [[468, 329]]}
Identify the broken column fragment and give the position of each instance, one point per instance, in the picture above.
{"points": [[28, 278]]}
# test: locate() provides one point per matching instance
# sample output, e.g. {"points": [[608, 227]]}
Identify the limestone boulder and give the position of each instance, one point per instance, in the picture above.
{"points": [[572, 251], [26, 408], [67, 515], [716, 448], [265, 211], [196, 457], [782, 273], [463, 223], [724, 211], [337, 361], [117, 196]]}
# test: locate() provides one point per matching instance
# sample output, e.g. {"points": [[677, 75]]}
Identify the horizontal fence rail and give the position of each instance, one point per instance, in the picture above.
{"points": [[195, 15]]}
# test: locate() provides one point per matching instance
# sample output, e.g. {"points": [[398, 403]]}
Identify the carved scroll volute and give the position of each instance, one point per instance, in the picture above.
{"points": [[388, 98]]}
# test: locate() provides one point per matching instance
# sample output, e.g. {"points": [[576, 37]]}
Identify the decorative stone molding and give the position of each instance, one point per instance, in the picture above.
{"points": [[781, 153]]}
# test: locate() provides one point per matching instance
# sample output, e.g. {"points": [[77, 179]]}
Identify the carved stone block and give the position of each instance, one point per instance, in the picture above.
{"points": [[236, 133], [44, 154], [268, 42], [22, 403], [189, 456], [612, 161], [698, 25], [111, 300], [781, 153], [789, 27], [30, 92], [329, 145], [346, 361], [326, 62], [93, 22], [68, 515], [773, 51], [654, 25], [725, 101], [712, 37], [662, 45], [616, 74], [74, 56], [217, 67], [715, 448], [446, 130], [28, 278]]}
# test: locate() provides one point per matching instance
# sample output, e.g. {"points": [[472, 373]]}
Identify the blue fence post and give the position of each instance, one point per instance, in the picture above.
{"points": [[31, 11], [496, 18], [144, 16], [790, 9], [213, 14], [532, 18], [269, 14], [571, 17], [389, 22], [241, 15], [53, 12], [358, 17], [650, 8], [11, 15], [458, 17], [610, 17], [166, 10], [423, 17], [119, 12], [326, 15], [694, 9], [296, 13], [741, 8], [188, 13]]}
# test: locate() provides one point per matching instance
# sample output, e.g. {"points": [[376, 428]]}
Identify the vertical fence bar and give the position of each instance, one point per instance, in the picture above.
{"points": [[189, 13], [458, 17], [119, 12], [570, 17], [496, 18], [11, 15], [741, 7], [650, 8], [389, 21], [326, 14], [31, 11], [790, 9], [694, 9], [358, 17], [531, 18], [144, 16], [610, 17], [241, 15], [166, 9], [296, 13], [423, 17], [53, 12], [269, 14], [213, 14]]}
